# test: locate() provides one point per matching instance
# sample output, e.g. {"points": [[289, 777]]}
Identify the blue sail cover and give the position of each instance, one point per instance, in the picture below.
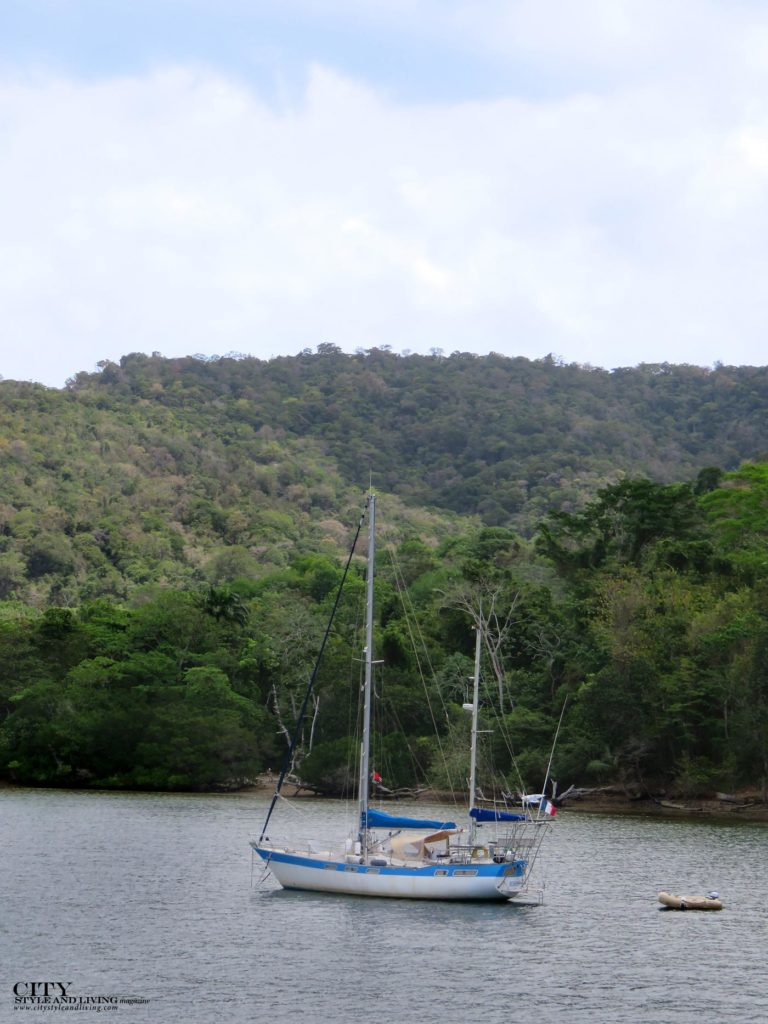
{"points": [[480, 814], [380, 819]]}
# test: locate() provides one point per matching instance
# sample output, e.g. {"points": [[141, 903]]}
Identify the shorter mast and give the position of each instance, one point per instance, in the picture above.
{"points": [[365, 747]]}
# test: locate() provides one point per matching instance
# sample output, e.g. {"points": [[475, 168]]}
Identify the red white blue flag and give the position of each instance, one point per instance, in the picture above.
{"points": [[546, 807]]}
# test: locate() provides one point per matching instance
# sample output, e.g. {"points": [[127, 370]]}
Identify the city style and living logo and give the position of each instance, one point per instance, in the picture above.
{"points": [[59, 995]]}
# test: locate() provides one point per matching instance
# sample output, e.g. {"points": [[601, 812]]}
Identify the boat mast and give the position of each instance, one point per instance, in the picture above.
{"points": [[363, 782], [473, 746]]}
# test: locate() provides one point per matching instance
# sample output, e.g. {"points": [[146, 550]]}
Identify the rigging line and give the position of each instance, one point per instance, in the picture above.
{"points": [[498, 717], [267, 870], [552, 751], [415, 765], [409, 611], [502, 679], [410, 615], [354, 714], [490, 695], [312, 678], [411, 620], [294, 808], [405, 598]]}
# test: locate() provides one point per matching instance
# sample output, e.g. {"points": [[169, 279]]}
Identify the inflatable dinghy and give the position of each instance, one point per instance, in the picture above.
{"points": [[711, 901]]}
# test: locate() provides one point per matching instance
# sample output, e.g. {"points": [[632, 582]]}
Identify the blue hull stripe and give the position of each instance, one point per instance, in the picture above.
{"points": [[445, 870]]}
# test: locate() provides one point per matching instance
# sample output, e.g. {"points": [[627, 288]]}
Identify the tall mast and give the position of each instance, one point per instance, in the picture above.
{"points": [[473, 746], [363, 781]]}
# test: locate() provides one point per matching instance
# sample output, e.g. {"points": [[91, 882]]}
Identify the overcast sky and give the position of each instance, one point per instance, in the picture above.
{"points": [[587, 178]]}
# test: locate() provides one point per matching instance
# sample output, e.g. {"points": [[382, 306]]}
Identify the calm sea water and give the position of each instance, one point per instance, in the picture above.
{"points": [[151, 897]]}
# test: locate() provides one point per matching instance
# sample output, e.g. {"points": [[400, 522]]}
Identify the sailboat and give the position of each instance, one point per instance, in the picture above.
{"points": [[489, 857]]}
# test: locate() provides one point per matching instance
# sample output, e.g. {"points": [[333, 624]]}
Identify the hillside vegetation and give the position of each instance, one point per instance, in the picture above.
{"points": [[172, 533], [180, 471]]}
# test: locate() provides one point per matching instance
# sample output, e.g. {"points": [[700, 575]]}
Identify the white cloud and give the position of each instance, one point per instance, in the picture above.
{"points": [[178, 212]]}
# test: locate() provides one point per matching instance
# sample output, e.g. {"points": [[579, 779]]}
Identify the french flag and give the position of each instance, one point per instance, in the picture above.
{"points": [[545, 807]]}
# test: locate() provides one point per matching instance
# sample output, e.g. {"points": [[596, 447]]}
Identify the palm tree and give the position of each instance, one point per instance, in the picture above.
{"points": [[225, 604]]}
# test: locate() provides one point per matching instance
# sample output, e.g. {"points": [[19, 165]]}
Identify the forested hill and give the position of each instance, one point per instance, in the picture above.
{"points": [[185, 470], [170, 541], [505, 438]]}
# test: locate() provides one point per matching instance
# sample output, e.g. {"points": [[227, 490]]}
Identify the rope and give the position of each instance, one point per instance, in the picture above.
{"points": [[552, 751], [303, 710], [411, 622]]}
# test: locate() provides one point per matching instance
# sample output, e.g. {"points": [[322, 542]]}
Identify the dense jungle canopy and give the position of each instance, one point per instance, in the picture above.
{"points": [[172, 532]]}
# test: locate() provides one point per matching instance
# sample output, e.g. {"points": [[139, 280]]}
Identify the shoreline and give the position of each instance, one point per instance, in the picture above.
{"points": [[741, 807], [748, 808], [745, 806]]}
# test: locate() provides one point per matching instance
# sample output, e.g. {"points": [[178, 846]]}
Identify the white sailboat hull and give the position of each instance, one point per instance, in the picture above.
{"points": [[487, 881]]}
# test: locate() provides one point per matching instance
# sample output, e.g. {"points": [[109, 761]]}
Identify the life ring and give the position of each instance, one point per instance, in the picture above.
{"points": [[479, 853]]}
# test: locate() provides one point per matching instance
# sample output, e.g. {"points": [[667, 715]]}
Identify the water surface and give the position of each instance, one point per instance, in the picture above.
{"points": [[151, 896]]}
